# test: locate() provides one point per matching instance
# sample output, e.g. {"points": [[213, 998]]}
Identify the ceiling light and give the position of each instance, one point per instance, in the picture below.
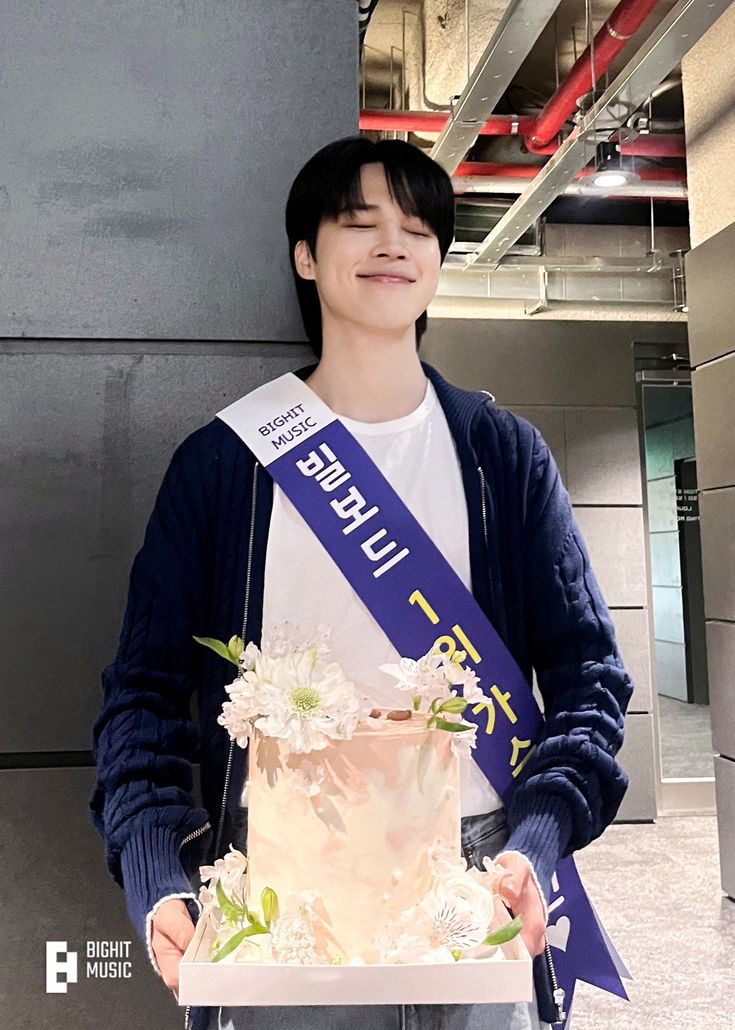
{"points": [[611, 177], [612, 169]]}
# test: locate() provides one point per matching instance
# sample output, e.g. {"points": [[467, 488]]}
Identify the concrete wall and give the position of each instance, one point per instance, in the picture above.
{"points": [[146, 157], [576, 382], [709, 88]]}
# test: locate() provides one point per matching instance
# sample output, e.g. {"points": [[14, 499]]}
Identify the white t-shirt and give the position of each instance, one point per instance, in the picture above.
{"points": [[417, 455]]}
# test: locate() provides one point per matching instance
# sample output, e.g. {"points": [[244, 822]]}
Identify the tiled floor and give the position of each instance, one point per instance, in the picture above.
{"points": [[656, 888], [686, 738]]}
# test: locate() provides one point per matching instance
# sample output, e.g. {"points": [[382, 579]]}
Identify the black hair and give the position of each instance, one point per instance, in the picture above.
{"points": [[329, 183]]}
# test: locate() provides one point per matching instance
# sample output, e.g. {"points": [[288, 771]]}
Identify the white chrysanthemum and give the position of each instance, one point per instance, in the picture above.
{"points": [[289, 691]]}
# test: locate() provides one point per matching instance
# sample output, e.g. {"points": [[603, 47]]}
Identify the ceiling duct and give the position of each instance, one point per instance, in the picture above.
{"points": [[476, 217]]}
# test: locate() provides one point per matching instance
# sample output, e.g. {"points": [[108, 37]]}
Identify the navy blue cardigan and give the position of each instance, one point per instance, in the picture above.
{"points": [[532, 577]]}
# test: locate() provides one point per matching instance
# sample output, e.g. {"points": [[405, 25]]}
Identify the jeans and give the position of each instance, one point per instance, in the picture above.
{"points": [[481, 835]]}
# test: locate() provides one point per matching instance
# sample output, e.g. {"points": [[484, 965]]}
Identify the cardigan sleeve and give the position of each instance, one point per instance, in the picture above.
{"points": [[571, 786], [143, 739]]}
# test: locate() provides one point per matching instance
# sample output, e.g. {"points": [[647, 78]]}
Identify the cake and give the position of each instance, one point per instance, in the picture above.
{"points": [[353, 849], [361, 842]]}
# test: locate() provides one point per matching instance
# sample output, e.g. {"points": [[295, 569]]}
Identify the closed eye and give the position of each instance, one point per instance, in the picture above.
{"points": [[414, 232]]}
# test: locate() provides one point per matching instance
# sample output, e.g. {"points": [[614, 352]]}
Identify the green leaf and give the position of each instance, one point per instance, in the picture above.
{"points": [[228, 908], [451, 727], [505, 933], [269, 901], [455, 705], [217, 646], [235, 942]]}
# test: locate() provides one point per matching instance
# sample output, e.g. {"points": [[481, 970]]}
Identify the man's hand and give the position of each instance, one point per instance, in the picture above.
{"points": [[171, 930], [518, 889]]}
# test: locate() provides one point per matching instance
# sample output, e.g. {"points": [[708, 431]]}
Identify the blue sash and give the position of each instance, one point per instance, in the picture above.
{"points": [[421, 604]]}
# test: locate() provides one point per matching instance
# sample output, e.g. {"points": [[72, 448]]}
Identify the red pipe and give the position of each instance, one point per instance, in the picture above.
{"points": [[625, 20], [435, 121], [662, 145], [538, 132]]}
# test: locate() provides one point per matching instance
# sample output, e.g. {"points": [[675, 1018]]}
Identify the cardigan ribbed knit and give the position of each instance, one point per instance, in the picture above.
{"points": [[197, 562]]}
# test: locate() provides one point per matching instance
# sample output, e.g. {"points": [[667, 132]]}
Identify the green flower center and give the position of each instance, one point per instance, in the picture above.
{"points": [[305, 699]]}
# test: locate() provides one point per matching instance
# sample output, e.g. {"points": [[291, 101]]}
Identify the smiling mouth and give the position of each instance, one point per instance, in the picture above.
{"points": [[387, 279]]}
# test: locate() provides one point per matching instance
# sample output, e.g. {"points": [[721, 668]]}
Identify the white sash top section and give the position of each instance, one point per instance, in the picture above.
{"points": [[275, 417]]}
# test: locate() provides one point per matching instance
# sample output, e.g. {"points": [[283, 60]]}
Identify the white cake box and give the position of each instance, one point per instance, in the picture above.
{"points": [[505, 977]]}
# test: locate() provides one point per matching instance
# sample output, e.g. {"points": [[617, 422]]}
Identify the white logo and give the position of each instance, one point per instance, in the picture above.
{"points": [[60, 962], [106, 960]]}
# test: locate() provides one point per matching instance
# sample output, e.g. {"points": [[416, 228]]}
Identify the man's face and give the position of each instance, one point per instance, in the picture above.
{"points": [[357, 248]]}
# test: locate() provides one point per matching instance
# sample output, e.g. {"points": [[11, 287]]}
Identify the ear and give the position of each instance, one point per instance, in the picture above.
{"points": [[303, 260]]}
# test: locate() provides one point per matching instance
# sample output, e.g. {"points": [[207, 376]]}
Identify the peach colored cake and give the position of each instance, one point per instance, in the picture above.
{"points": [[361, 841]]}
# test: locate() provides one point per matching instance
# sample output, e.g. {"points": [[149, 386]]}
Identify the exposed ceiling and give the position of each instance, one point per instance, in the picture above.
{"points": [[418, 57], [436, 70]]}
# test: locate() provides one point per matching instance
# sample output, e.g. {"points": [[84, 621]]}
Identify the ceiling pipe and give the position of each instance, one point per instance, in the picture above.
{"points": [[436, 121], [647, 145], [615, 33]]}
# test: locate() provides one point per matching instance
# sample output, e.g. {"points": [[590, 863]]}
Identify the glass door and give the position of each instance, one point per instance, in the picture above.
{"points": [[679, 657]]}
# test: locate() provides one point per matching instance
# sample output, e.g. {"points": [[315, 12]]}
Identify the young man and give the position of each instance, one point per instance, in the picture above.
{"points": [[369, 225]]}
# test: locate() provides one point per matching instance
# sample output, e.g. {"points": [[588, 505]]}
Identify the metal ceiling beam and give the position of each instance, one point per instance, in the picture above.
{"points": [[512, 41], [682, 27], [509, 185]]}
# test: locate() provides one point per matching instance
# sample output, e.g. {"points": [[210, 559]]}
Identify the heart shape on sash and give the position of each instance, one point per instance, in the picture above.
{"points": [[558, 934]]}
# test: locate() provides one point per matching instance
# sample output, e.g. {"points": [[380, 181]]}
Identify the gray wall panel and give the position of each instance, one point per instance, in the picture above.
{"points": [[717, 514], [614, 538], [713, 389], [707, 267], [54, 858], [725, 794], [603, 457], [546, 363], [636, 757], [721, 675], [81, 461], [631, 630], [147, 153]]}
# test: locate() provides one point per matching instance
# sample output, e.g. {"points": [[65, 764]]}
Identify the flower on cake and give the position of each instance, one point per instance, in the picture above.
{"points": [[429, 681], [453, 919], [431, 677], [230, 871], [294, 937], [288, 689]]}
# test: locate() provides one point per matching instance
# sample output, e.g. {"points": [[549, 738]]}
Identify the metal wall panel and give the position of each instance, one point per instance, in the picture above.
{"points": [[86, 433], [713, 388], [62, 891], [710, 325], [147, 153], [721, 676]]}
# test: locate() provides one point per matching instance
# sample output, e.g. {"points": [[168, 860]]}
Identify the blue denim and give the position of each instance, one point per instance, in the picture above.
{"points": [[481, 835]]}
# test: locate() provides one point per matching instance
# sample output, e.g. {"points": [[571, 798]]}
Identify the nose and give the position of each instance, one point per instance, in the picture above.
{"points": [[391, 244]]}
